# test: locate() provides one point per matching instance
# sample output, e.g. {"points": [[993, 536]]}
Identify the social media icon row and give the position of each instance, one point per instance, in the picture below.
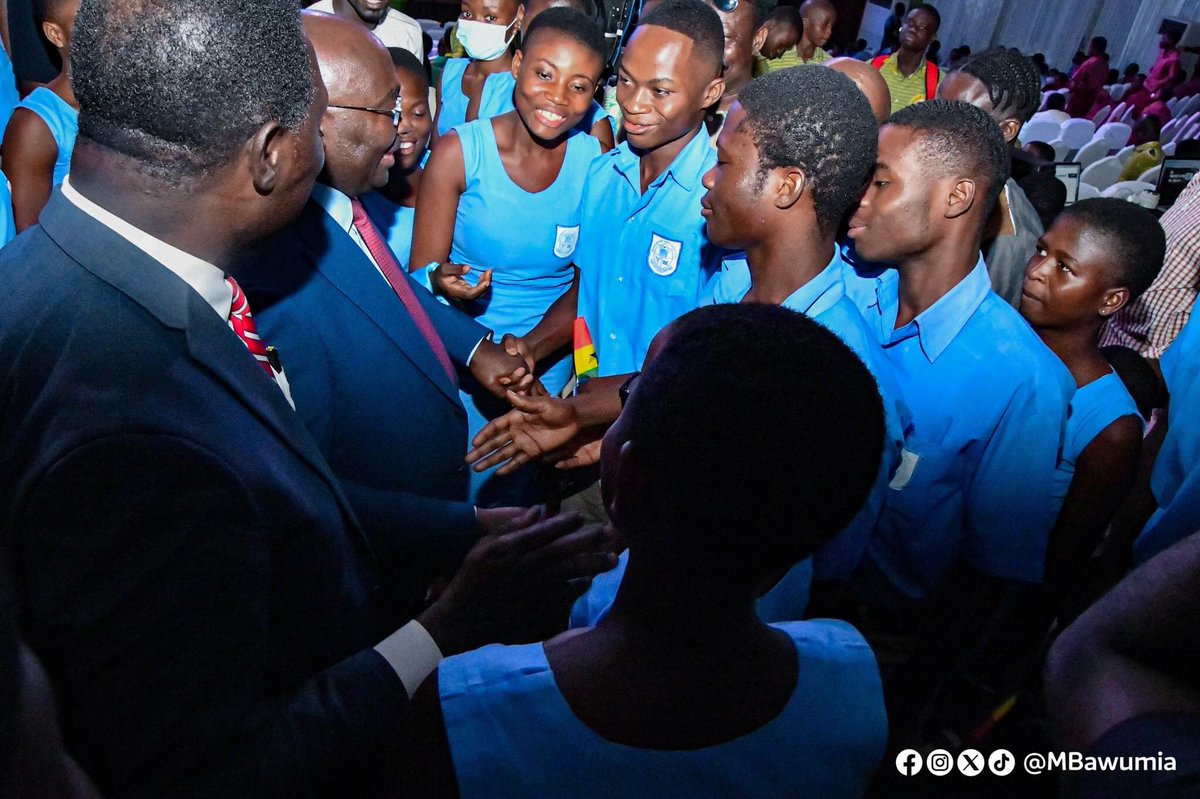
{"points": [[970, 762]]}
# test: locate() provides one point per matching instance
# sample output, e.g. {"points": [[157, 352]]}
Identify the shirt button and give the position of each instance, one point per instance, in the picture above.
{"points": [[620, 279], [612, 336]]}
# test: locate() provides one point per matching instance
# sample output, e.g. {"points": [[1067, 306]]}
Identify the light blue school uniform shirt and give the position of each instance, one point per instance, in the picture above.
{"points": [[495, 99], [9, 97], [1175, 480], [528, 240], [8, 226], [644, 259], [1093, 408], [977, 477], [394, 221], [512, 734], [63, 121]]}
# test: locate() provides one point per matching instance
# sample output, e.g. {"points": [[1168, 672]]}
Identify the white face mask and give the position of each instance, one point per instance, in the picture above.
{"points": [[484, 41]]}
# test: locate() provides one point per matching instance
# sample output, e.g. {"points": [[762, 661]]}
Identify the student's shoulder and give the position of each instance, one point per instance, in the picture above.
{"points": [[829, 640], [1021, 352], [488, 668]]}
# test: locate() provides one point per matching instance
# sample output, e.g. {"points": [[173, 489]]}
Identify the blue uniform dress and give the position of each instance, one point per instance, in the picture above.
{"points": [[513, 735], [644, 259], [9, 98], [395, 221], [527, 239], [977, 476], [496, 99], [1176, 476], [63, 121], [8, 226], [1093, 408]]}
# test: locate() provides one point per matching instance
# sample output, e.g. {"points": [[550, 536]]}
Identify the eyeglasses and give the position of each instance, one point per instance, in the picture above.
{"points": [[394, 113], [626, 387]]}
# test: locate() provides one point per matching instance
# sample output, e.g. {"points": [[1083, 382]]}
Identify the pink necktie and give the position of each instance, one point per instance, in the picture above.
{"points": [[400, 284], [243, 324]]}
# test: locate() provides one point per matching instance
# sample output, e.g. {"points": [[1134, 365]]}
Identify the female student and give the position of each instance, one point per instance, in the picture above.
{"points": [[500, 202], [392, 207], [1096, 257]]}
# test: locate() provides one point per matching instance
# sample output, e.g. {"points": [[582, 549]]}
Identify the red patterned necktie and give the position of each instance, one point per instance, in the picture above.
{"points": [[243, 324], [400, 284]]}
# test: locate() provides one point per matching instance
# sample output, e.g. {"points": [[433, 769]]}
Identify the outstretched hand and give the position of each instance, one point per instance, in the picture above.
{"points": [[447, 280], [536, 426]]}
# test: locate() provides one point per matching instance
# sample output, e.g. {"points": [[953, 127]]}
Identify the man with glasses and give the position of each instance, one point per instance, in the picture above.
{"points": [[910, 76], [371, 356]]}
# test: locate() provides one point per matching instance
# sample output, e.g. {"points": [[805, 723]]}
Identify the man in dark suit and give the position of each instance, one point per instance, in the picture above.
{"points": [[367, 383], [188, 569]]}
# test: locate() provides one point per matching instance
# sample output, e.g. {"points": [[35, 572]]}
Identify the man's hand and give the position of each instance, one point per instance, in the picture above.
{"points": [[518, 346], [499, 372], [583, 450], [498, 521], [447, 280], [518, 587], [536, 426]]}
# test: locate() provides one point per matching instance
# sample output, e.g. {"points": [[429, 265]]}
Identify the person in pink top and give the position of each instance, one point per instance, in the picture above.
{"points": [[1088, 80], [1166, 70]]}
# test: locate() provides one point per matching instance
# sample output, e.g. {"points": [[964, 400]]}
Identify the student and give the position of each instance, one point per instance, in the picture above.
{"points": [[743, 36], [1098, 256], [392, 206], [41, 133], [1055, 112], [1005, 85], [968, 514], [912, 78], [869, 82], [818, 18], [480, 86], [507, 269], [779, 34], [681, 690]]}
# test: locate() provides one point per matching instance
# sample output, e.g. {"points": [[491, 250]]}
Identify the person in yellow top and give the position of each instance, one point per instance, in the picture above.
{"points": [[819, 17], [911, 77]]}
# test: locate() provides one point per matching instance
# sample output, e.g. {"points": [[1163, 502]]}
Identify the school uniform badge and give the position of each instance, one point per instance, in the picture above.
{"points": [[664, 255], [565, 239]]}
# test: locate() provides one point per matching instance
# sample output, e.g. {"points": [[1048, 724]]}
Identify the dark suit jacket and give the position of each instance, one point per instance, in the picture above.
{"points": [[189, 571], [371, 392]]}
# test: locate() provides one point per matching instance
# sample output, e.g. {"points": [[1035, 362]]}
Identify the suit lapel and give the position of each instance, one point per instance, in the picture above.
{"points": [[352, 273]]}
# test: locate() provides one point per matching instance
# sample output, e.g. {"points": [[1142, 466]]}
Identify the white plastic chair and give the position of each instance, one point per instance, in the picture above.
{"points": [[1039, 130], [1151, 175], [1118, 91], [1125, 153], [1102, 115], [1116, 114], [1174, 101], [1077, 132], [1126, 188], [1169, 129], [1088, 192], [1061, 150], [1093, 151], [1169, 148], [1115, 133], [1127, 117], [1102, 173]]}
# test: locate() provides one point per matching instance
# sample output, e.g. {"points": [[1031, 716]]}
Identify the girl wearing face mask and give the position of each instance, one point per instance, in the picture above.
{"points": [[480, 86]]}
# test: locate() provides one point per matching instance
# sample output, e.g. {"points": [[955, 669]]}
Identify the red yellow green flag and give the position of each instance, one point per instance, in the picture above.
{"points": [[587, 365]]}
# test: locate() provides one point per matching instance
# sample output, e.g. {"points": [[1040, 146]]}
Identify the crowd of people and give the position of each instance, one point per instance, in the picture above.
{"points": [[374, 429]]}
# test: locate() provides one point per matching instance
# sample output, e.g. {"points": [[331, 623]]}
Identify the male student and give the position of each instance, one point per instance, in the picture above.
{"points": [[910, 76], [818, 18], [191, 575], [390, 26], [743, 37], [970, 508], [366, 348]]}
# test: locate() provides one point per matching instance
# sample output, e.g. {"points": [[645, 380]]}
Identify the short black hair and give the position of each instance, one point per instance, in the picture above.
{"points": [[1043, 150], [48, 10], [1046, 193], [696, 20], [1056, 102], [1135, 68], [571, 24], [815, 119], [1100, 43], [407, 63], [933, 12], [1012, 80], [789, 14], [1136, 241], [959, 137], [179, 87], [750, 412], [1173, 35]]}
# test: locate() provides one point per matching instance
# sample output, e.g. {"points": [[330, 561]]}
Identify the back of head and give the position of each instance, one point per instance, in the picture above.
{"points": [[869, 81], [1100, 44], [570, 24], [51, 10], [749, 414], [815, 119], [1135, 240], [1046, 193], [1056, 102], [959, 139], [179, 87], [696, 20], [1012, 80], [407, 63]]}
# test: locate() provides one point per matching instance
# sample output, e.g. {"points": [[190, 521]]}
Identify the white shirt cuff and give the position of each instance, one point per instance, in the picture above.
{"points": [[475, 349], [412, 652]]}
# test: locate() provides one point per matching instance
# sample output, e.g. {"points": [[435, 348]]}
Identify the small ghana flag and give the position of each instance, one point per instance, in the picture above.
{"points": [[586, 364]]}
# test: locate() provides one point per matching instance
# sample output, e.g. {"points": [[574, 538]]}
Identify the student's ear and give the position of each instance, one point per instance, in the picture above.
{"points": [[961, 198], [518, 57], [791, 188], [760, 38], [520, 16], [713, 93], [1010, 128], [269, 154], [55, 34], [1114, 300]]}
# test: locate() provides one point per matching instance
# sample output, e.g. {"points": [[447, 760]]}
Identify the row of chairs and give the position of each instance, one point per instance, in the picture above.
{"points": [[1103, 173]]}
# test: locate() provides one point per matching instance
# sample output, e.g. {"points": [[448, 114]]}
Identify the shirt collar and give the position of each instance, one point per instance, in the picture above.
{"points": [[336, 204], [206, 279], [939, 324], [819, 294], [685, 170]]}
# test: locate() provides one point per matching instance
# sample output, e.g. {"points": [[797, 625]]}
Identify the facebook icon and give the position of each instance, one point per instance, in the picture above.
{"points": [[908, 762]]}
